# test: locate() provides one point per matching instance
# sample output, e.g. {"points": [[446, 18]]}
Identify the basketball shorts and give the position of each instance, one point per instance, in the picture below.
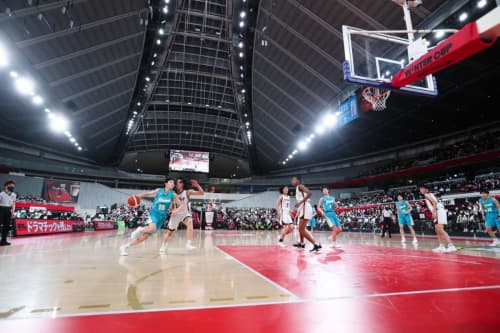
{"points": [[176, 219], [332, 220], [306, 212], [442, 218], [492, 222], [157, 220], [405, 220], [312, 223], [286, 218]]}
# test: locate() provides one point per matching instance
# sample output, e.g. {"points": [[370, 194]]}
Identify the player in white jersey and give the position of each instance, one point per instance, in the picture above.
{"points": [[283, 208], [440, 220], [184, 214], [305, 213]]}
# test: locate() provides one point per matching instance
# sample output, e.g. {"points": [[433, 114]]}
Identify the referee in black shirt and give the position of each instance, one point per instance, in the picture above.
{"points": [[7, 208]]}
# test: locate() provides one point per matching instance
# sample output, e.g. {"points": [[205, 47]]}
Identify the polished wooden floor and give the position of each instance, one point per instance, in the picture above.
{"points": [[82, 274]]}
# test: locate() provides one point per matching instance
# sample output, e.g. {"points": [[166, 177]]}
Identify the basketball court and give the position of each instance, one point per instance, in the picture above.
{"points": [[242, 281]]}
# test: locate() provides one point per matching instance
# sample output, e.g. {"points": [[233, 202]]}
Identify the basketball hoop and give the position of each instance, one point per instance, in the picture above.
{"points": [[377, 97]]}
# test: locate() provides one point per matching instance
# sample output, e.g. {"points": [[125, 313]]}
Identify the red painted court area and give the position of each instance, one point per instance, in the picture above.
{"points": [[357, 289]]}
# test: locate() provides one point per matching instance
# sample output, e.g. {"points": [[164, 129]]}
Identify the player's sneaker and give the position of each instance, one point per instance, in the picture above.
{"points": [[190, 247], [136, 233], [439, 249], [415, 241], [280, 242], [163, 248], [300, 246], [316, 248], [124, 250], [450, 248], [403, 240], [496, 242]]}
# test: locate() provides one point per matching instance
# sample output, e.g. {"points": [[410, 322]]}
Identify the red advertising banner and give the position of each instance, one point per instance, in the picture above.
{"points": [[39, 227], [38, 206], [105, 225]]}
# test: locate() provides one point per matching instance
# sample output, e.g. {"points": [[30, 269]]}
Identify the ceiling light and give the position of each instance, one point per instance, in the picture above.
{"points": [[320, 129], [147, 79], [13, 74], [72, 140], [4, 60], [241, 54], [439, 34], [387, 73], [37, 100], [46, 110], [207, 105], [138, 103], [290, 156], [152, 63], [155, 55], [241, 67], [330, 120], [302, 145], [58, 123], [242, 24], [158, 41], [243, 91], [463, 16], [481, 3], [243, 14], [165, 10], [76, 144], [135, 112], [189, 103], [25, 86], [247, 123], [80, 148], [161, 31], [284, 162], [240, 45], [219, 106]]}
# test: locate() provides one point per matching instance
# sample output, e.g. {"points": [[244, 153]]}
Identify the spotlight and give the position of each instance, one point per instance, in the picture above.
{"points": [[330, 120], [284, 162], [290, 156], [242, 24], [463, 17], [240, 45], [387, 73], [302, 145], [165, 10], [135, 112], [79, 148], [243, 14], [481, 3], [138, 103], [58, 123], [155, 55], [25, 86], [147, 79], [320, 129], [243, 91], [241, 54], [152, 63], [72, 140], [47, 110], [37, 100], [13, 74], [158, 41]]}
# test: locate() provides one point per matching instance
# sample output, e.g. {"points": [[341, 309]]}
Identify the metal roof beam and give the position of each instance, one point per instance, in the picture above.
{"points": [[99, 86], [107, 99], [16, 14], [78, 28], [88, 50], [92, 70]]}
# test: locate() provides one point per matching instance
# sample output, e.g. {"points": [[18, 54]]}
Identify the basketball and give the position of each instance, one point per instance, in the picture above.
{"points": [[134, 200]]}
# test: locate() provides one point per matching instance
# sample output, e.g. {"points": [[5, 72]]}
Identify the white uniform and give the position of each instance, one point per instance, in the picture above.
{"points": [[305, 211], [442, 218], [183, 214], [285, 210]]}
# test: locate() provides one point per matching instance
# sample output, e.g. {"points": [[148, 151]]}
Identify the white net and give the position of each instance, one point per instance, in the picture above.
{"points": [[377, 97]]}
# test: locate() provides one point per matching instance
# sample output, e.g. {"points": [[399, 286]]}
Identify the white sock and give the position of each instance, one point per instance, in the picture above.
{"points": [[188, 242]]}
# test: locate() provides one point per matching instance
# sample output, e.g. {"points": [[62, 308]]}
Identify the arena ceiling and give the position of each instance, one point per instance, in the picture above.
{"points": [[127, 88]]}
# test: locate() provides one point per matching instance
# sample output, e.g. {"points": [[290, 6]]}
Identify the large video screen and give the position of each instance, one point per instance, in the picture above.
{"points": [[192, 161]]}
